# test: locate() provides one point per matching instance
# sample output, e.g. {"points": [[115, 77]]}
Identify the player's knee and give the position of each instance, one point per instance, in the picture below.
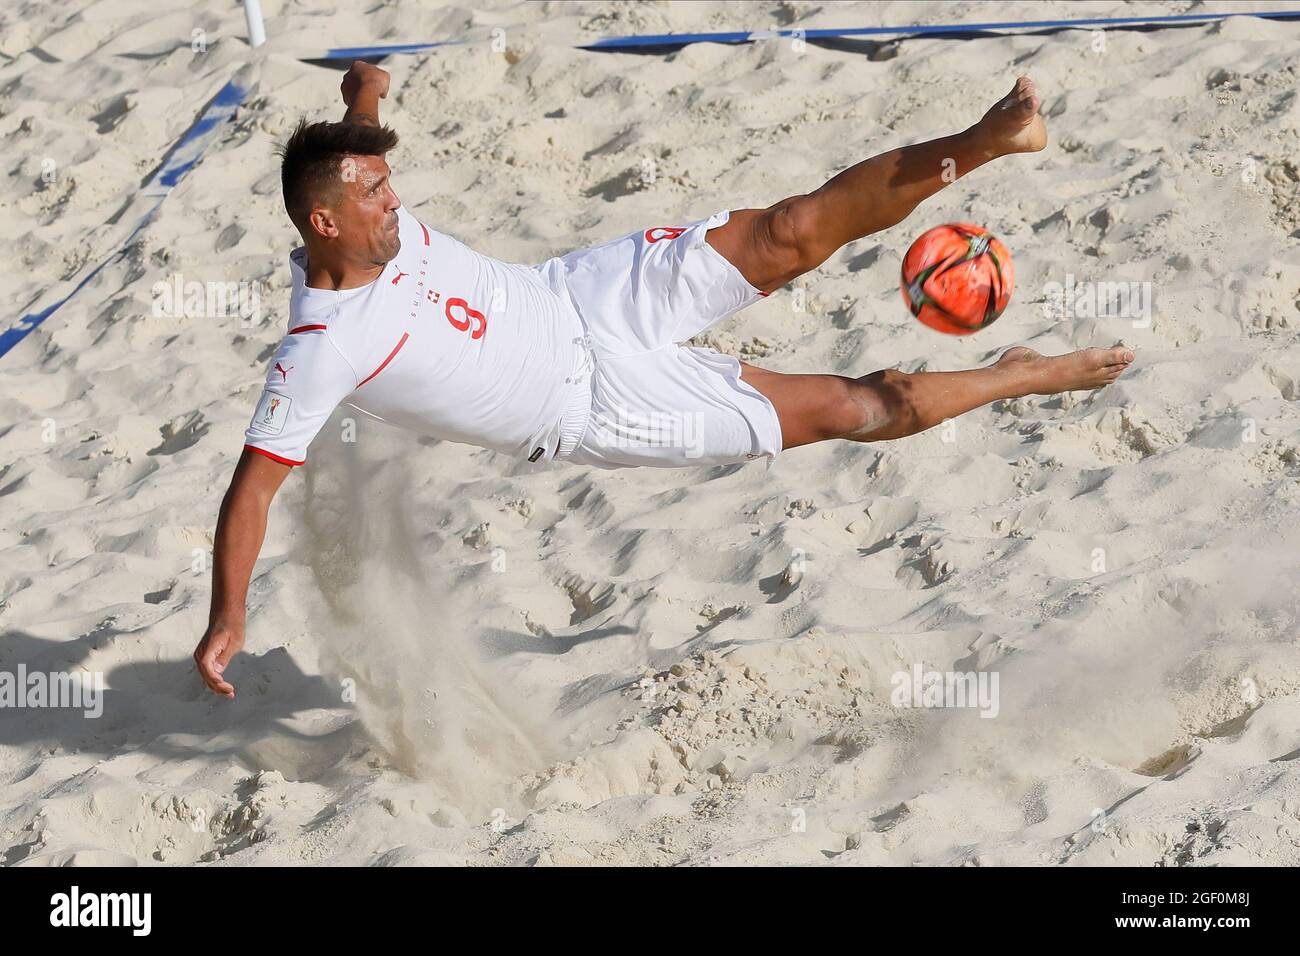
{"points": [[790, 233]]}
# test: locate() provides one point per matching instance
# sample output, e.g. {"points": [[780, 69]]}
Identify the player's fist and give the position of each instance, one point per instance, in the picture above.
{"points": [[362, 75]]}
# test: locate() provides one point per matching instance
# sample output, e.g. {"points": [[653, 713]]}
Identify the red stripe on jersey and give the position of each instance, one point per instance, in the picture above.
{"points": [[306, 328], [426, 233], [273, 457], [765, 294], [384, 364]]}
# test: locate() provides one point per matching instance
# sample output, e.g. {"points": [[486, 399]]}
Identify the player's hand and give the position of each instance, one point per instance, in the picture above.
{"points": [[214, 652], [363, 75]]}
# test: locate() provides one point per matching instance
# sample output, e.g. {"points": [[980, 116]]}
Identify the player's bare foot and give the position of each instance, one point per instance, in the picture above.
{"points": [[1035, 374], [1012, 124]]}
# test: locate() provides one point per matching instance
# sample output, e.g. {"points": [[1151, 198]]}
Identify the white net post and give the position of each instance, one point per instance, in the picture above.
{"points": [[256, 29]]}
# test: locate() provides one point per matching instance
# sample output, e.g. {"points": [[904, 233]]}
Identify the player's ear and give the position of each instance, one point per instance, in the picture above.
{"points": [[323, 222]]}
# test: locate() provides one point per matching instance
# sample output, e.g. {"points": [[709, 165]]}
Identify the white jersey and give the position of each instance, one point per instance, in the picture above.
{"points": [[446, 342]]}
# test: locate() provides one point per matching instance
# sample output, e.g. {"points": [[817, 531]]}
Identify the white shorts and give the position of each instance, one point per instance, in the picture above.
{"points": [[653, 401]]}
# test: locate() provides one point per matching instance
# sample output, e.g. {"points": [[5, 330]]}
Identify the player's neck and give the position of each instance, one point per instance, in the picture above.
{"points": [[323, 272]]}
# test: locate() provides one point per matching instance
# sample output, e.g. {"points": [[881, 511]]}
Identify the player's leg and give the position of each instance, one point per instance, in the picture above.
{"points": [[773, 246], [893, 404]]}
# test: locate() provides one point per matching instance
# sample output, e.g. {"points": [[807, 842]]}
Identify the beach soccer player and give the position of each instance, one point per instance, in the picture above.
{"points": [[579, 359]]}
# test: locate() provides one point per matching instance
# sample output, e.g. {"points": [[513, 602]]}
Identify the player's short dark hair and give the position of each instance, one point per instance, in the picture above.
{"points": [[312, 156]]}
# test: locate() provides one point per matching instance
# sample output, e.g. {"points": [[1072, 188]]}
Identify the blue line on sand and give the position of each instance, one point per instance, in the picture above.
{"points": [[182, 157], [937, 29], [359, 52]]}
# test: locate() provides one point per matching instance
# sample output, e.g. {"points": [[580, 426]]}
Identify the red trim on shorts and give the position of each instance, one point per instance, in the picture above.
{"points": [[306, 328], [384, 364], [765, 294], [273, 456], [426, 233]]}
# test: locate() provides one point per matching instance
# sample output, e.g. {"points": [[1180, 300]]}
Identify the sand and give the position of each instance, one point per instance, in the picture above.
{"points": [[455, 659]]}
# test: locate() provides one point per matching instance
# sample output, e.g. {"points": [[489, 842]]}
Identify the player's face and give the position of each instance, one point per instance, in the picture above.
{"points": [[367, 217]]}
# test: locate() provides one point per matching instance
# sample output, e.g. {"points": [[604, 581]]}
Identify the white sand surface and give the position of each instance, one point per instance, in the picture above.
{"points": [[452, 659]]}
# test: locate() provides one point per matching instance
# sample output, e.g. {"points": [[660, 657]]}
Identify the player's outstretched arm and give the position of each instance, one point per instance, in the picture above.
{"points": [[241, 527], [364, 85]]}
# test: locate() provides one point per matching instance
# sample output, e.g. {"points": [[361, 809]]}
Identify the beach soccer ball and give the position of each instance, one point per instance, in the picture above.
{"points": [[957, 278]]}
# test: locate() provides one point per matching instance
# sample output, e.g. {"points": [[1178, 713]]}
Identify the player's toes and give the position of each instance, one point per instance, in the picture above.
{"points": [[1118, 356], [1024, 91]]}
